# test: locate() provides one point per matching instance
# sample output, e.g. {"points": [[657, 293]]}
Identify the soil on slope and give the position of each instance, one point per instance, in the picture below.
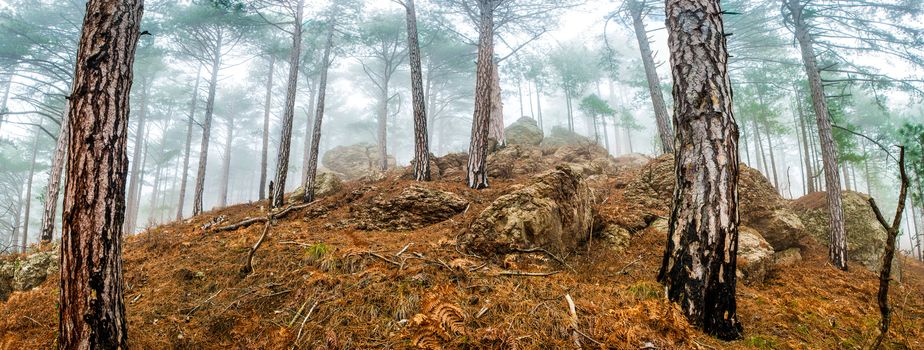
{"points": [[320, 283]]}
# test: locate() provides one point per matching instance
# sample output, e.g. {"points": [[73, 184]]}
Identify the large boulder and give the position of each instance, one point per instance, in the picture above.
{"points": [[412, 208], [759, 203], [560, 136], [524, 131], [326, 184], [554, 212], [865, 235], [515, 161], [355, 161], [28, 272], [755, 255]]}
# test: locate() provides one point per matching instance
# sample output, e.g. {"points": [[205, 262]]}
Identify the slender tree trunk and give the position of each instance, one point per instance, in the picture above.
{"points": [[636, 9], [807, 153], [91, 311], [776, 175], [700, 259], [226, 163], [309, 122], [285, 140], [421, 143], [5, 96], [570, 116], [846, 176], [529, 95], [496, 130], [745, 145], [319, 118], [189, 129], [799, 147], [152, 205], [139, 142], [17, 223], [761, 155], [477, 176], [28, 203], [539, 105], [132, 213], [838, 244], [54, 182], [207, 130], [382, 127], [267, 103]]}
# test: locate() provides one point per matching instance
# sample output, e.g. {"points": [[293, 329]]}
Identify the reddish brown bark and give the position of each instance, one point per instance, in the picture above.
{"points": [[92, 314]]}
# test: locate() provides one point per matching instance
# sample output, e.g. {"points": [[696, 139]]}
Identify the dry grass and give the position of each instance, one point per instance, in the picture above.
{"points": [[317, 285]]}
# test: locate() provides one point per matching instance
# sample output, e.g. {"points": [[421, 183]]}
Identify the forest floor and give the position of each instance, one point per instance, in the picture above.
{"points": [[320, 283]]}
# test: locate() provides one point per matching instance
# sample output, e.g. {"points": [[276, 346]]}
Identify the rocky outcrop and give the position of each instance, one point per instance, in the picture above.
{"points": [[26, 273], [787, 257], [760, 206], [355, 161], [554, 211], [524, 132], [412, 208], [326, 184], [865, 235], [755, 256], [560, 136]]}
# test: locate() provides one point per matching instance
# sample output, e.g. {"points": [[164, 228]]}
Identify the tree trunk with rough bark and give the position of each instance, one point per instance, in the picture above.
{"points": [[288, 115], [186, 153], [806, 152], [421, 161], [496, 132], [92, 314], [318, 119], [837, 247], [651, 74], [477, 176], [207, 129], [133, 185], [700, 258], [309, 122], [54, 182], [382, 120], [264, 153]]}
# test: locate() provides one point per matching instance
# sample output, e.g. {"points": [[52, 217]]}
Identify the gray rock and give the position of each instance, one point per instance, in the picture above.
{"points": [[524, 131], [788, 257], [27, 273], [355, 161]]}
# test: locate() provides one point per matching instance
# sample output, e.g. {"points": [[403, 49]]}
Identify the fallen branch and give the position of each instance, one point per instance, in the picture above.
{"points": [[572, 312], [546, 252], [300, 328], [623, 271], [383, 258], [248, 266], [279, 215], [525, 274]]}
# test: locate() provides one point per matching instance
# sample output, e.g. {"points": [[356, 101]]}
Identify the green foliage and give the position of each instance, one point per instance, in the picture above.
{"points": [[316, 251], [594, 106]]}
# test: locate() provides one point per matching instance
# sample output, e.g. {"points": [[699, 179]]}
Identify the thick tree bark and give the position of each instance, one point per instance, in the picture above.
{"points": [[267, 103], [700, 259], [636, 9], [133, 185], [837, 247], [318, 118], [288, 115], [207, 128], [186, 152], [28, 202], [92, 314], [477, 176], [54, 182], [496, 132], [421, 161], [226, 163], [382, 120]]}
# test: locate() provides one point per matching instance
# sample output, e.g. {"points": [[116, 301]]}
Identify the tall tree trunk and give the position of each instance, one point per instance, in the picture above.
{"points": [[799, 146], [382, 127], [285, 140], [319, 118], [207, 129], [17, 222], [132, 213], [636, 9], [496, 131], [309, 122], [226, 163], [761, 154], [570, 116], [745, 145], [28, 204], [189, 129], [700, 259], [421, 144], [54, 181], [267, 103], [139, 142], [152, 205], [477, 176], [807, 153], [91, 311], [5, 96], [838, 245], [776, 175], [846, 176], [539, 105], [529, 95]]}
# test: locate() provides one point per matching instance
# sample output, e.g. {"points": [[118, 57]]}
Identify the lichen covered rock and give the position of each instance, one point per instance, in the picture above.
{"points": [[524, 132], [412, 208], [26, 273], [865, 235], [355, 161], [554, 211], [755, 256], [326, 184], [760, 205]]}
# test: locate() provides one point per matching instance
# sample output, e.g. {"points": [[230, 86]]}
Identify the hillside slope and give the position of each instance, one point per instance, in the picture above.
{"points": [[330, 276]]}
